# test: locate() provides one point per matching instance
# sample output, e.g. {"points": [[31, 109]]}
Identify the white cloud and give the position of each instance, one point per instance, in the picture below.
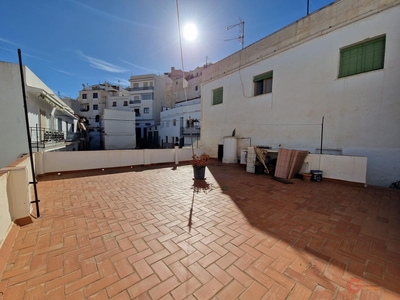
{"points": [[65, 72], [101, 64], [139, 67]]}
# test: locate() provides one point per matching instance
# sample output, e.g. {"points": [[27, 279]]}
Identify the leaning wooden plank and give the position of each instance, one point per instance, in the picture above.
{"points": [[261, 157]]}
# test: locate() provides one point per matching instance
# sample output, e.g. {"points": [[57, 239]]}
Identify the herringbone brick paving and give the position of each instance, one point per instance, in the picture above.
{"points": [[125, 234]]}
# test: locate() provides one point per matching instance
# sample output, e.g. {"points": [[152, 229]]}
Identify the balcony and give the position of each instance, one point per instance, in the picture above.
{"points": [[45, 138], [143, 88], [186, 131], [135, 102]]}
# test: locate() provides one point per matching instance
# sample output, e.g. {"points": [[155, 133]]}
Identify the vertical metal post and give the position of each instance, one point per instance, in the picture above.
{"points": [[37, 139], [322, 134], [308, 7], [28, 135]]}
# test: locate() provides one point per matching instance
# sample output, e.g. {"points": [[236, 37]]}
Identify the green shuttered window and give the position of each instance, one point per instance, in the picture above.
{"points": [[364, 57], [263, 83], [218, 96]]}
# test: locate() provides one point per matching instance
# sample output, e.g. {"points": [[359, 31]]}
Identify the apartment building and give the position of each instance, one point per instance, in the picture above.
{"points": [[147, 96], [339, 66]]}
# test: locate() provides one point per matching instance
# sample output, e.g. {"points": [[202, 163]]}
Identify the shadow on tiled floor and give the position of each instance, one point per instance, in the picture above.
{"points": [[124, 234]]}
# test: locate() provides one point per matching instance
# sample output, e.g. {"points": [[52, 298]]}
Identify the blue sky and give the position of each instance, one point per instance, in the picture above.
{"points": [[70, 42]]}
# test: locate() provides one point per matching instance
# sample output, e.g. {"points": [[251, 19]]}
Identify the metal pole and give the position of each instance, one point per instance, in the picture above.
{"points": [[37, 139], [29, 136], [322, 134], [308, 7]]}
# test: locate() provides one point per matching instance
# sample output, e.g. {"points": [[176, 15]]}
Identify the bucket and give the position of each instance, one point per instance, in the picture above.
{"points": [[316, 175]]}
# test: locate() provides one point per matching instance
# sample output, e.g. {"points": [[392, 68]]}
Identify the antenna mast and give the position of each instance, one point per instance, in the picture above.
{"points": [[240, 38]]}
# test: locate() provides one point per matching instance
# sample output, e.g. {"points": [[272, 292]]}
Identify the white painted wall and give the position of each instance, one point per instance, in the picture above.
{"points": [[13, 134], [362, 112], [341, 167], [15, 194], [119, 129], [50, 162], [5, 218]]}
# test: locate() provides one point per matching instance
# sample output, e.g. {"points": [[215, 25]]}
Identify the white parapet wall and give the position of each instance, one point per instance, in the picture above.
{"points": [[5, 217], [15, 194], [51, 162], [340, 167]]}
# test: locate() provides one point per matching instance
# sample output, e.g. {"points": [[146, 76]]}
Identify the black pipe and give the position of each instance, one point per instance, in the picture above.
{"points": [[322, 134], [29, 136]]}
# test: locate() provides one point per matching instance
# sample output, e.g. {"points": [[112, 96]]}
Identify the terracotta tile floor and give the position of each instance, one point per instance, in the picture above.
{"points": [[124, 234]]}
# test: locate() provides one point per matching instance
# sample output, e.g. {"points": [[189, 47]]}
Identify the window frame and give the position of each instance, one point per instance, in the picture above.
{"points": [[146, 110], [95, 107], [84, 96], [363, 57], [216, 96], [125, 103], [262, 83], [114, 104], [95, 95]]}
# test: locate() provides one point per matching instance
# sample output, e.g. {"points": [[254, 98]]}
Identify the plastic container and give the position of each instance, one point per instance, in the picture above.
{"points": [[316, 175]]}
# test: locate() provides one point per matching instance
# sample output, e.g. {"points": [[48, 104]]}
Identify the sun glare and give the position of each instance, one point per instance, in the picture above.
{"points": [[190, 32]]}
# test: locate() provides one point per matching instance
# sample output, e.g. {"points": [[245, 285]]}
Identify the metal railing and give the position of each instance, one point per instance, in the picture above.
{"points": [[45, 137], [195, 131], [135, 101], [140, 88]]}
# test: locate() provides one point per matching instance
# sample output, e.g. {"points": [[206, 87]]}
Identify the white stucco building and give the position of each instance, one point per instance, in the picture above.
{"points": [[341, 62], [118, 129], [146, 95], [176, 126], [52, 124]]}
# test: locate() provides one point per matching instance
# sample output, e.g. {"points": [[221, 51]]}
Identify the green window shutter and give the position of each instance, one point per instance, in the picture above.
{"points": [[362, 58], [218, 96], [262, 76]]}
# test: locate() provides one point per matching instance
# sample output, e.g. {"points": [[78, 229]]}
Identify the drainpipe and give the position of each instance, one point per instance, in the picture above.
{"points": [[28, 135]]}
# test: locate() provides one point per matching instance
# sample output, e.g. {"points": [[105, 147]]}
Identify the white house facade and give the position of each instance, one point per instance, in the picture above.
{"points": [[52, 123], [340, 64], [181, 124]]}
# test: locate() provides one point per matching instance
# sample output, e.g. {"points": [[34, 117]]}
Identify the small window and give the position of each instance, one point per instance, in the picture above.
{"points": [[151, 83], [263, 83], [114, 103], [95, 95], [125, 103], [145, 84], [84, 96], [97, 118], [218, 96], [146, 110], [364, 57], [174, 122], [95, 107], [136, 98], [135, 85], [196, 88]]}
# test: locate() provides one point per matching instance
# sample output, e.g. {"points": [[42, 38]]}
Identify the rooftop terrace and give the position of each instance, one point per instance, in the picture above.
{"points": [[124, 234]]}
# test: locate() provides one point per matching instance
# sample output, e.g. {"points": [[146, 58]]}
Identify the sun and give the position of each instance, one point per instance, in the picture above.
{"points": [[190, 32]]}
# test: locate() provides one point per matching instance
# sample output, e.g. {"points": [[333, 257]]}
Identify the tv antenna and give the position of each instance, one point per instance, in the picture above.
{"points": [[240, 38]]}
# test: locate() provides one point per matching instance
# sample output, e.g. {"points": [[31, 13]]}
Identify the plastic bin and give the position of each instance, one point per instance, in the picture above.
{"points": [[316, 175]]}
